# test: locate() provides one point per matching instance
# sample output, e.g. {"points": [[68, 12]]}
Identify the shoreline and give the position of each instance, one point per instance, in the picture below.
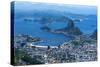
{"points": [[44, 46]]}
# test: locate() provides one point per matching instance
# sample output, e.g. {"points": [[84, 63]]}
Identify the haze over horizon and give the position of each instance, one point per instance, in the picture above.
{"points": [[70, 8]]}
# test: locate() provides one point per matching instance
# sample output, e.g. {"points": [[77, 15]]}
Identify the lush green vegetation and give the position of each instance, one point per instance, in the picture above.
{"points": [[24, 57]]}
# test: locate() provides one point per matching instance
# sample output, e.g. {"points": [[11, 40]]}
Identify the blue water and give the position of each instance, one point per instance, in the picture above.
{"points": [[87, 25], [32, 28]]}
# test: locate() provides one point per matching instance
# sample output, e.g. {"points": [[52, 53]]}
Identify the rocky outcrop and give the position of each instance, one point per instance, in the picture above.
{"points": [[70, 24], [70, 28]]}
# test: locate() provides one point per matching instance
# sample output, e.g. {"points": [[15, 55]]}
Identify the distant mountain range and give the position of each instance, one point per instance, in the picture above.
{"points": [[40, 9]]}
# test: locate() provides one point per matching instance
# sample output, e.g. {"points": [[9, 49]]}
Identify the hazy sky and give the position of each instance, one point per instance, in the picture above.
{"points": [[31, 6], [83, 2]]}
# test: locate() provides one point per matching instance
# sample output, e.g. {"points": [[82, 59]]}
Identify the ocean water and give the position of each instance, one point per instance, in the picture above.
{"points": [[86, 22], [34, 29]]}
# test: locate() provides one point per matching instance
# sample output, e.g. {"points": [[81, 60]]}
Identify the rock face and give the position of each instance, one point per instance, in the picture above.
{"points": [[70, 24], [74, 31], [69, 29]]}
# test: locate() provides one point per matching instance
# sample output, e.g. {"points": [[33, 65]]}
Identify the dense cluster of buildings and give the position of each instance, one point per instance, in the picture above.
{"points": [[72, 51]]}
